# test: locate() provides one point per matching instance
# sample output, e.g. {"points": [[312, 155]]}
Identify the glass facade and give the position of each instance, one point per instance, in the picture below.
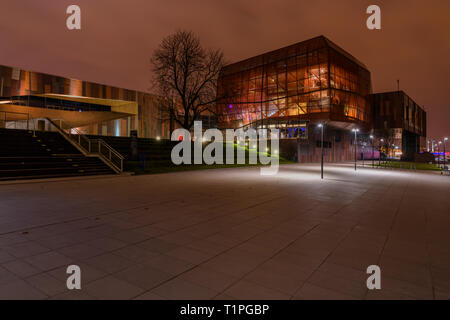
{"points": [[314, 79]]}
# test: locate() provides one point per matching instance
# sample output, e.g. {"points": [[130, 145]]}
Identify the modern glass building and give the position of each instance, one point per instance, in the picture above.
{"points": [[313, 80], [294, 89]]}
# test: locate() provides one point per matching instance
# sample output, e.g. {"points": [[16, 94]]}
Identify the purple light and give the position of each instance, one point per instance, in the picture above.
{"points": [[230, 106]]}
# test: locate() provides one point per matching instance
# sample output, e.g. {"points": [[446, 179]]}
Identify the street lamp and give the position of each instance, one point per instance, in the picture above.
{"points": [[355, 131], [435, 148], [373, 152], [363, 153], [379, 154], [445, 153], [321, 126], [439, 154]]}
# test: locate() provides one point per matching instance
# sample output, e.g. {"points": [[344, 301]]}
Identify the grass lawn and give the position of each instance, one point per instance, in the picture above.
{"points": [[409, 165], [152, 167]]}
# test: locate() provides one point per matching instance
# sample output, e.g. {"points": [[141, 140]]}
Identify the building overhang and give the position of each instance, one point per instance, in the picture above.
{"points": [[87, 111], [118, 106]]}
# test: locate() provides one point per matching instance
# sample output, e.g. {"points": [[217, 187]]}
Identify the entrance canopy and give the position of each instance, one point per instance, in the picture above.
{"points": [[75, 111]]}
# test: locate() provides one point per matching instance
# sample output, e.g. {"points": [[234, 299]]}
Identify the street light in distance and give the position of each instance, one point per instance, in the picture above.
{"points": [[445, 152], [373, 151], [321, 126], [356, 132], [379, 155]]}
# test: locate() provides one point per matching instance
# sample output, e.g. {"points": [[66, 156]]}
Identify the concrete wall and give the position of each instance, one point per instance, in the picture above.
{"points": [[338, 146]]}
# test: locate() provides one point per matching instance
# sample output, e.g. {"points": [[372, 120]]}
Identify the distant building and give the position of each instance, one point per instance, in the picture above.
{"points": [[399, 121]]}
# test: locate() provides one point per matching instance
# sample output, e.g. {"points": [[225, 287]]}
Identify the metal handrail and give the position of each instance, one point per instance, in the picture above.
{"points": [[82, 140], [92, 147], [102, 142], [110, 153], [5, 120]]}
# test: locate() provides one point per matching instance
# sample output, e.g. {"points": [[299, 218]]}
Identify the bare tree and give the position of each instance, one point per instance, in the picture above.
{"points": [[185, 75]]}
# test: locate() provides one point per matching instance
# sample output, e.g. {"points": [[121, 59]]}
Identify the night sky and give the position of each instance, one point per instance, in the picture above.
{"points": [[118, 37]]}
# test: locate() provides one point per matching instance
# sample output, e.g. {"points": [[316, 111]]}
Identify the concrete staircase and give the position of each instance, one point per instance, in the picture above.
{"points": [[24, 155]]}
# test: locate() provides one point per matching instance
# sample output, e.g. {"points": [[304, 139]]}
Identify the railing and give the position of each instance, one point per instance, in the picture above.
{"points": [[80, 139], [91, 147], [103, 149], [8, 120]]}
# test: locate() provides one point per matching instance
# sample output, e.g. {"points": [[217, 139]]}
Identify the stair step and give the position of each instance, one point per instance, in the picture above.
{"points": [[46, 155], [48, 176]]}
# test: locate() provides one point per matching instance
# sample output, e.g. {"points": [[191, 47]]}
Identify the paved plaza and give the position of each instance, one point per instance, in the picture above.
{"points": [[229, 234]]}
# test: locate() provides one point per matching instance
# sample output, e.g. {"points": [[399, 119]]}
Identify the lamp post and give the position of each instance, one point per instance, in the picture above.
{"points": [[321, 147], [445, 153], [434, 149], [363, 153], [373, 152], [355, 131], [379, 155], [439, 154]]}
